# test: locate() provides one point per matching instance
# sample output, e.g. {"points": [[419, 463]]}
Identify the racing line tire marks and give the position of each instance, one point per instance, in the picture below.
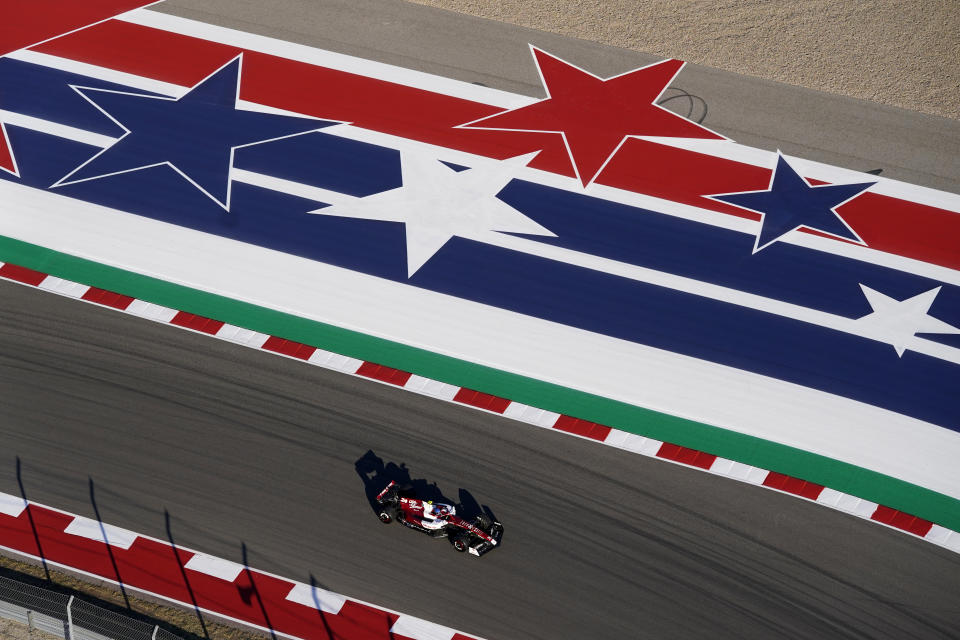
{"points": [[571, 425]]}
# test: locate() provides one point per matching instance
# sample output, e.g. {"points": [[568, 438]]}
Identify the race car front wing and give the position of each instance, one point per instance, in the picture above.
{"points": [[482, 546]]}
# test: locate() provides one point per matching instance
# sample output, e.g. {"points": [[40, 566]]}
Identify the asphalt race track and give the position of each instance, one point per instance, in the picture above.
{"points": [[248, 448], [245, 448]]}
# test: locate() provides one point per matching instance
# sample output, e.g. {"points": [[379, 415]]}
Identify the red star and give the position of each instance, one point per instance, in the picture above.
{"points": [[25, 23], [594, 115]]}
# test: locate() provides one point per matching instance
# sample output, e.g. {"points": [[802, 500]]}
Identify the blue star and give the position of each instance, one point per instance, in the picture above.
{"points": [[195, 135], [791, 202]]}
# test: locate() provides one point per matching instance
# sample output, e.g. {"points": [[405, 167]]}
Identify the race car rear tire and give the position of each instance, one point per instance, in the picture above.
{"points": [[385, 517]]}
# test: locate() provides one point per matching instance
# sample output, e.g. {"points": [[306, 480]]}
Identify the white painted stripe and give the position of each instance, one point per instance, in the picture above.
{"points": [[616, 438], [101, 73], [11, 505], [316, 598], [731, 150], [846, 502], [596, 263], [429, 387], [668, 207], [938, 534], [216, 567], [93, 530], [151, 311], [335, 361], [714, 292], [943, 537], [420, 629], [230, 332], [633, 442], [242, 336], [238, 175], [292, 188], [698, 390], [953, 542], [64, 287], [494, 97], [55, 129], [328, 59], [531, 415], [738, 471]]}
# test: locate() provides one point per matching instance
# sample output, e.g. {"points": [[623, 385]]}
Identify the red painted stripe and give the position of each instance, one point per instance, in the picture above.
{"points": [[793, 485], [645, 167], [21, 274], [82, 553], [197, 323], [902, 520], [481, 400], [6, 153], [289, 347], [582, 427], [384, 374], [687, 456], [16, 533], [157, 567], [26, 23], [884, 223], [107, 298], [267, 79]]}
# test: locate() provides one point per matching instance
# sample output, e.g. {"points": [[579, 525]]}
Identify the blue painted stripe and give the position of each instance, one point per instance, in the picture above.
{"points": [[789, 350], [318, 160], [813, 279], [786, 272], [45, 93]]}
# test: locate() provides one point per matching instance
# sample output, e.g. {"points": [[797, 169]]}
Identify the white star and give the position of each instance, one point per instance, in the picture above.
{"points": [[437, 203], [897, 321]]}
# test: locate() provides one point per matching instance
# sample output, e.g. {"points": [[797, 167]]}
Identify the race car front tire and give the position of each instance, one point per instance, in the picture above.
{"points": [[385, 517], [460, 543]]}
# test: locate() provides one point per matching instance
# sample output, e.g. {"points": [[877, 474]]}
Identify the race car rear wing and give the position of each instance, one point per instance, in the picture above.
{"points": [[385, 489]]}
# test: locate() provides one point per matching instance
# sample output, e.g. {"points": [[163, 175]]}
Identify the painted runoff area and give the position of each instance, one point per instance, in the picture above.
{"points": [[854, 448], [692, 458], [213, 586]]}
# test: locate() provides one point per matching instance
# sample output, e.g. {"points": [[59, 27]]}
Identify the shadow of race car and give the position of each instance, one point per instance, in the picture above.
{"points": [[438, 520]]}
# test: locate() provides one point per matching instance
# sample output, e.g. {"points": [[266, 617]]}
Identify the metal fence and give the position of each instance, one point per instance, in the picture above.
{"points": [[71, 618]]}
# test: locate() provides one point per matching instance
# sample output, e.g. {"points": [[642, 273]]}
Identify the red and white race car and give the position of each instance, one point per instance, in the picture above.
{"points": [[438, 520]]}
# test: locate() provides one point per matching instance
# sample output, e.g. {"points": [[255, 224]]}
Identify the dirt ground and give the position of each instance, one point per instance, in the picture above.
{"points": [[10, 630], [181, 622], [904, 53]]}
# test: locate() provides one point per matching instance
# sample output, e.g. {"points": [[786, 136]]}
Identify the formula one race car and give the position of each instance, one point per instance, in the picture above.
{"points": [[438, 520]]}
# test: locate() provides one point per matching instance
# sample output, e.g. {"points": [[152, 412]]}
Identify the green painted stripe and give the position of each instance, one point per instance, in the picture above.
{"points": [[870, 485]]}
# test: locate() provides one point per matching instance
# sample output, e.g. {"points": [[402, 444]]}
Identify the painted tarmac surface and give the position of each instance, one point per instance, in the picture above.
{"points": [[259, 162], [595, 294]]}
